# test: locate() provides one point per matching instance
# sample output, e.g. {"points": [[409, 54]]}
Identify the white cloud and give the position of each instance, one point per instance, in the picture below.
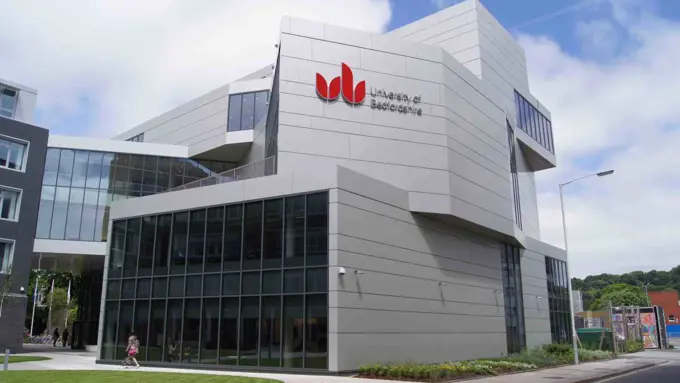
{"points": [[121, 62], [621, 113]]}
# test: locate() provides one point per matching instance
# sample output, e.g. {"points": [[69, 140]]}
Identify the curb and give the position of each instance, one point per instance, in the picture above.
{"points": [[619, 373]]}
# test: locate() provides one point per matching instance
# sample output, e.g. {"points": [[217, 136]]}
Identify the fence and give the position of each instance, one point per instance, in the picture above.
{"points": [[266, 167]]}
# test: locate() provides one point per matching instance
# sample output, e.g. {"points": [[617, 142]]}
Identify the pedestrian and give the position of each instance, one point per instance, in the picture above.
{"points": [[55, 337], [64, 338], [133, 348]]}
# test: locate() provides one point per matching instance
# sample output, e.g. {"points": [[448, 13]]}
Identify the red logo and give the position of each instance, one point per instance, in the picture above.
{"points": [[330, 92]]}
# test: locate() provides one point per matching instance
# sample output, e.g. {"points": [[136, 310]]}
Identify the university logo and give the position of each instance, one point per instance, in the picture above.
{"points": [[343, 84]]}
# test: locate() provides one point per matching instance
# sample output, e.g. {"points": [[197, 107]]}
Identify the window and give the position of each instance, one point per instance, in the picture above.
{"points": [[533, 122], [137, 138], [12, 154], [6, 254], [8, 101], [79, 186], [671, 318], [513, 173], [10, 199], [514, 301], [558, 300], [247, 111], [230, 299]]}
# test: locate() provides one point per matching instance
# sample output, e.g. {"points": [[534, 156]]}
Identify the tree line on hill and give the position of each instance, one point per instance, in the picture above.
{"points": [[625, 289]]}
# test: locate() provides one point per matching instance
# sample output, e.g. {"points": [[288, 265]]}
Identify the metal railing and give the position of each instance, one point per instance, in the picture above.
{"points": [[266, 167]]}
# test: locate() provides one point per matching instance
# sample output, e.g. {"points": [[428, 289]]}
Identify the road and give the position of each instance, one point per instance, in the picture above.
{"points": [[667, 373]]}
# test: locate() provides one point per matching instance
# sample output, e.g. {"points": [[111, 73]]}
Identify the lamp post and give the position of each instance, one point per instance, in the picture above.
{"points": [[566, 251]]}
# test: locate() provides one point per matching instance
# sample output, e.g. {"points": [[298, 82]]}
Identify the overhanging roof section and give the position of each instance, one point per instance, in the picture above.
{"points": [[115, 146]]}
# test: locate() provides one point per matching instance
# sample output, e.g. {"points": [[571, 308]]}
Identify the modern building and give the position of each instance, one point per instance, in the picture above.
{"points": [[577, 300], [366, 198], [22, 158]]}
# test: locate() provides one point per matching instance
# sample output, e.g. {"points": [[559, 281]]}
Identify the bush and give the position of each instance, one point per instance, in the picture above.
{"points": [[633, 346], [444, 371], [670, 347]]}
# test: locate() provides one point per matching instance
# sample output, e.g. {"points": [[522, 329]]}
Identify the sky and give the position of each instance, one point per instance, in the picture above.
{"points": [[606, 69]]}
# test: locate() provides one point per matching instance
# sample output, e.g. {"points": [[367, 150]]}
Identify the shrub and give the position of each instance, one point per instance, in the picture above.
{"points": [[633, 346], [670, 347]]}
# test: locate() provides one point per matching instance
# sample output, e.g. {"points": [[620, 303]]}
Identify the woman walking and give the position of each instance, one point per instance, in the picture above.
{"points": [[132, 349]]}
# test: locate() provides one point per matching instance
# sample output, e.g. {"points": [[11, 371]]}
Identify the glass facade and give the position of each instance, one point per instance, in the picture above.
{"points": [[558, 300], [237, 285], [533, 123], [514, 301], [12, 153], [515, 179], [8, 101], [271, 133], [78, 187], [247, 110], [137, 138]]}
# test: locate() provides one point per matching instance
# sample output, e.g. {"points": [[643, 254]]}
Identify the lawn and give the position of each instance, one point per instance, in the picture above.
{"points": [[23, 358], [119, 377]]}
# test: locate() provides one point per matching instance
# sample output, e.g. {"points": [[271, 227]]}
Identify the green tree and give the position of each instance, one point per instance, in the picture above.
{"points": [[620, 294]]}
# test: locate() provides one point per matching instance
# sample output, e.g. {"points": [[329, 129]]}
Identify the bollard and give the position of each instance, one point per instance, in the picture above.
{"points": [[6, 364]]}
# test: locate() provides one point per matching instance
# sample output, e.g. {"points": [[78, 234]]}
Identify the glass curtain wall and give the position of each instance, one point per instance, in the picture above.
{"points": [[236, 285], [558, 300], [533, 123], [79, 186], [247, 111], [514, 301]]}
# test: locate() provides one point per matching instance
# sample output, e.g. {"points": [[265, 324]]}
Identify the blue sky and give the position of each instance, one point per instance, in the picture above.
{"points": [[606, 69]]}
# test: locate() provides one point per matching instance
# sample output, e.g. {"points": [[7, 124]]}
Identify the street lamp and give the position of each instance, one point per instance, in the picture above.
{"points": [[646, 286], [566, 251]]}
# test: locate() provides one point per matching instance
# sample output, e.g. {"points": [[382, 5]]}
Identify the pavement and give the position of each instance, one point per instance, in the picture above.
{"points": [[659, 361]]}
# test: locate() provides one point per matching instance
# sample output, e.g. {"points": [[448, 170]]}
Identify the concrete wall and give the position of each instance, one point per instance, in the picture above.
{"points": [[453, 159], [22, 231], [200, 123], [427, 291], [475, 38]]}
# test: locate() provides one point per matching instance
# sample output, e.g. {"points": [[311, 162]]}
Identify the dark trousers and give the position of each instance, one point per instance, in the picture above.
{"points": [[56, 338]]}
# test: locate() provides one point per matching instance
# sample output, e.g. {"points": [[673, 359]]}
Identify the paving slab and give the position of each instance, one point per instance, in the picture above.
{"points": [[583, 373]]}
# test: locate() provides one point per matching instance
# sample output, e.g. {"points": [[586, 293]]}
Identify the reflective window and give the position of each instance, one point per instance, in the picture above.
{"points": [[534, 123], [12, 154], [247, 111], [259, 312], [10, 200], [87, 182], [515, 180], [558, 300], [513, 297], [8, 101], [137, 138], [6, 256]]}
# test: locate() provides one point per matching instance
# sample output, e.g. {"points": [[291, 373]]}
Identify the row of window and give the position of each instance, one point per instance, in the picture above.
{"points": [[289, 331], [8, 101], [247, 110], [12, 153], [514, 300], [558, 300], [79, 186], [243, 284], [261, 282], [137, 138], [6, 255], [533, 123], [285, 232]]}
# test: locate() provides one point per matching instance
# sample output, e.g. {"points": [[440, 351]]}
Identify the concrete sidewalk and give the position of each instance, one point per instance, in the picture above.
{"points": [[588, 372], [583, 373]]}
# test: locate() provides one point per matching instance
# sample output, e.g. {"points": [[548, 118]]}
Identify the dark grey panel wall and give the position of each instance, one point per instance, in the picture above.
{"points": [[23, 231]]}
